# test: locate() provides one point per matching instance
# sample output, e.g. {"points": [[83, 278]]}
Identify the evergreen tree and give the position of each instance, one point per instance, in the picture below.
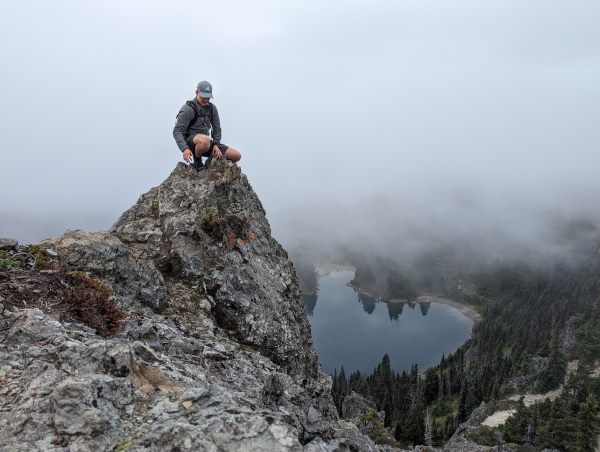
{"points": [[554, 374], [588, 334], [545, 437], [463, 412], [515, 427], [358, 383], [565, 425], [441, 381], [496, 391], [589, 424], [431, 388], [397, 432], [414, 427], [343, 385], [532, 427]]}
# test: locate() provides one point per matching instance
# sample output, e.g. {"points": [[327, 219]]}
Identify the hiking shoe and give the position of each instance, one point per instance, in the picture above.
{"points": [[198, 164]]}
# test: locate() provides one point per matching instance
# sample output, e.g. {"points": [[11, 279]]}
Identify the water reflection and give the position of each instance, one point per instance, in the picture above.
{"points": [[352, 329], [367, 302], [394, 307]]}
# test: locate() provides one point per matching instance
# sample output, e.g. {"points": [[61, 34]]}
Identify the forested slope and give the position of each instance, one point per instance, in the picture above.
{"points": [[537, 319]]}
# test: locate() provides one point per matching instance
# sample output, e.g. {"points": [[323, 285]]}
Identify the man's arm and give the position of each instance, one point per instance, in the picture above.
{"points": [[184, 117], [216, 125]]}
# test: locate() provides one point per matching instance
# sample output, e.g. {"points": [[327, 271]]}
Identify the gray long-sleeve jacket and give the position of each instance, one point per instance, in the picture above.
{"points": [[205, 124]]}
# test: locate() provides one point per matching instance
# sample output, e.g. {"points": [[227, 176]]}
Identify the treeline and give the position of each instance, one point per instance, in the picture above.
{"points": [[537, 321], [385, 278], [419, 409]]}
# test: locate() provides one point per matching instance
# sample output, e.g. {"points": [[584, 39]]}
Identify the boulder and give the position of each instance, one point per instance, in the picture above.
{"points": [[8, 244], [356, 406]]}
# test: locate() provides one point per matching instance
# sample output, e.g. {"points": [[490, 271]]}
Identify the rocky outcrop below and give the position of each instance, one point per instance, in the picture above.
{"points": [[363, 413], [209, 346], [356, 406]]}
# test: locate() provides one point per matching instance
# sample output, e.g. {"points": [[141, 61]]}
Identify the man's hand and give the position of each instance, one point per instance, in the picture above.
{"points": [[216, 153], [187, 155]]}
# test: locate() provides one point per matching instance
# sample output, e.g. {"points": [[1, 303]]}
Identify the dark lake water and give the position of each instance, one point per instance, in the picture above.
{"points": [[355, 331]]}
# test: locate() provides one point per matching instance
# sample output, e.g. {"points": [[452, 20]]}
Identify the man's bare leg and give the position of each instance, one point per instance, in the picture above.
{"points": [[201, 143], [233, 155]]}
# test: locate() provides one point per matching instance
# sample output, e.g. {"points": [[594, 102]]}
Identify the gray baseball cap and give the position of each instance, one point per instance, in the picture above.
{"points": [[205, 89]]}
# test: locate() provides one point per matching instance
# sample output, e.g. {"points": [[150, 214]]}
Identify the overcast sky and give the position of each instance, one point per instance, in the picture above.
{"points": [[353, 117]]}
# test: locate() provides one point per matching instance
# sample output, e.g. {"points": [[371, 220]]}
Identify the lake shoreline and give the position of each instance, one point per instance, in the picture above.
{"points": [[465, 309], [325, 269], [353, 330]]}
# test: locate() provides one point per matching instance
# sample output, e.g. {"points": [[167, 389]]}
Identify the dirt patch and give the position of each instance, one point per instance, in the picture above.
{"points": [[595, 371], [465, 309], [498, 418], [530, 399]]}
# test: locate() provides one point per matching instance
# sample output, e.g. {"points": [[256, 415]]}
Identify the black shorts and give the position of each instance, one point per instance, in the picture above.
{"points": [[222, 147]]}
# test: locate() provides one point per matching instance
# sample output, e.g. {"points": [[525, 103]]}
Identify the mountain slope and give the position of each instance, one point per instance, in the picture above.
{"points": [[209, 346]]}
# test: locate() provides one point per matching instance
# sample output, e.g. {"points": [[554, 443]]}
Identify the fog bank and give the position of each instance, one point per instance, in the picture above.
{"points": [[413, 124]]}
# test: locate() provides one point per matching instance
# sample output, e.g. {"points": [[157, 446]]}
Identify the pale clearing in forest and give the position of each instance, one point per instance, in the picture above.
{"points": [[498, 418], [530, 399]]}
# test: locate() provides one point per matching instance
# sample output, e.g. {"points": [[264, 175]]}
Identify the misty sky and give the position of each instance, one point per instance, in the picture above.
{"points": [[354, 118]]}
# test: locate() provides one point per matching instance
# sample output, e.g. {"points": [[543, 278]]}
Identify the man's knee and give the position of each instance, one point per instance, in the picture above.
{"points": [[201, 139], [233, 155], [201, 143]]}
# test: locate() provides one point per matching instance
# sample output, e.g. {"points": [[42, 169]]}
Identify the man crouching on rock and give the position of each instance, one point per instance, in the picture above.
{"points": [[198, 121]]}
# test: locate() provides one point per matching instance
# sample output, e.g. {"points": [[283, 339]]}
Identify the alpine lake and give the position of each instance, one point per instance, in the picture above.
{"points": [[353, 330]]}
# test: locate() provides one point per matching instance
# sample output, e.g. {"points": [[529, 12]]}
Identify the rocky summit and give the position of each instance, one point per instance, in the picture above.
{"points": [[181, 328]]}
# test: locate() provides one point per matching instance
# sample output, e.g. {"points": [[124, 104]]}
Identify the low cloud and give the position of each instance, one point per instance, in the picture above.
{"points": [[396, 126]]}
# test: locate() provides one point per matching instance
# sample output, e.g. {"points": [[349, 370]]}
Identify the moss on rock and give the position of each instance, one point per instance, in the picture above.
{"points": [[372, 425]]}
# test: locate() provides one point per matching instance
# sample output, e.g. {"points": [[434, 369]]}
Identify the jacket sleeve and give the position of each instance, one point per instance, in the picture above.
{"points": [[184, 117], [216, 125]]}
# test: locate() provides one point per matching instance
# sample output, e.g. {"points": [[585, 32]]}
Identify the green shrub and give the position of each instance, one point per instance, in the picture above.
{"points": [[378, 433], [123, 445], [483, 435], [211, 222], [39, 254], [7, 262]]}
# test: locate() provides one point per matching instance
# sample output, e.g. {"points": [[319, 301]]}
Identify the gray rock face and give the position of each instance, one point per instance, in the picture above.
{"points": [[362, 412], [355, 406], [104, 255], [460, 440], [8, 244], [66, 386], [212, 231], [215, 352]]}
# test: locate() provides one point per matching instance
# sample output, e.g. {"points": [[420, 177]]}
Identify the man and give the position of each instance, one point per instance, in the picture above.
{"points": [[198, 121]]}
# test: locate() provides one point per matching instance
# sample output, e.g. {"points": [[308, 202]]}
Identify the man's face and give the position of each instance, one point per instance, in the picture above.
{"points": [[203, 101]]}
